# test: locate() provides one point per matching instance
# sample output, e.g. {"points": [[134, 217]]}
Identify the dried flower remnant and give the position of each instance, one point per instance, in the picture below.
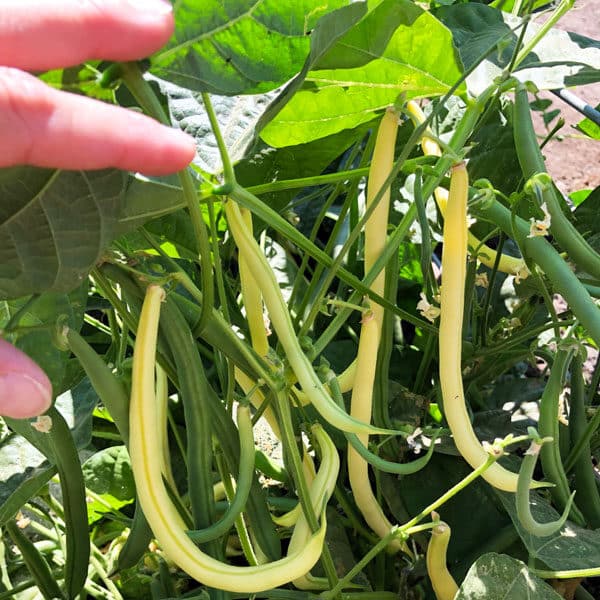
{"points": [[428, 310], [481, 280], [43, 424], [540, 227]]}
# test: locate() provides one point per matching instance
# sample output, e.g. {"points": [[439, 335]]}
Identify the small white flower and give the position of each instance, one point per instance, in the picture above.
{"points": [[481, 280], [428, 310], [540, 227], [43, 424]]}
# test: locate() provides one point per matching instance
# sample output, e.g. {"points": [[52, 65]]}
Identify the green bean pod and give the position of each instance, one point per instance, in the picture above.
{"points": [[532, 162], [193, 388], [164, 518], [538, 249], [243, 483], [35, 562], [548, 428], [221, 336], [137, 542], [110, 390], [522, 496], [588, 498], [74, 502]]}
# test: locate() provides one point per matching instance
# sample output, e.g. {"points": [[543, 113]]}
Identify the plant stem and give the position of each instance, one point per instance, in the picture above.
{"points": [[145, 96]]}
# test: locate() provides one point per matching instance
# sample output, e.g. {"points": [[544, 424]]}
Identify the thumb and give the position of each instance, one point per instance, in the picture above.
{"points": [[25, 390]]}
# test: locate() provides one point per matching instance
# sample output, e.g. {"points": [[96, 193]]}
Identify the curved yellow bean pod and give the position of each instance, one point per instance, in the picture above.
{"points": [[282, 323], [321, 489], [485, 254], [443, 583], [164, 520]]}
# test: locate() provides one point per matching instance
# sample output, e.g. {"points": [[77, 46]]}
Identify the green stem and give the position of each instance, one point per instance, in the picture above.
{"points": [[145, 96], [560, 10], [228, 172]]}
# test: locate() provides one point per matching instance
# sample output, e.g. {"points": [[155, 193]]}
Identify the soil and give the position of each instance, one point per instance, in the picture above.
{"points": [[572, 159]]}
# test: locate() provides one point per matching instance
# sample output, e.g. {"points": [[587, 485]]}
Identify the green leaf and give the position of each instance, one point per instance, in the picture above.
{"points": [[108, 474], [586, 218], [265, 164], [239, 46], [397, 48], [497, 577], [55, 225], [560, 59], [47, 310], [590, 128], [571, 547], [23, 472]]}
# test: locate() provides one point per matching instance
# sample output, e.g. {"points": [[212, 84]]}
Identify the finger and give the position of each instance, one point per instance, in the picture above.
{"points": [[45, 34], [45, 127], [25, 390]]}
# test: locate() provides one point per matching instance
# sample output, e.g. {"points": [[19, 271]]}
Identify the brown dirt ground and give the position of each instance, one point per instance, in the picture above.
{"points": [[573, 160]]}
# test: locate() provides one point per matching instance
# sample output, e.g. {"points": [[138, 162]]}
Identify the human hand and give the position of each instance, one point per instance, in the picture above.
{"points": [[45, 127]]}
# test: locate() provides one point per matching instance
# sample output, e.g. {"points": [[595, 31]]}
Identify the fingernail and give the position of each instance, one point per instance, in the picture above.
{"points": [[22, 396], [155, 7]]}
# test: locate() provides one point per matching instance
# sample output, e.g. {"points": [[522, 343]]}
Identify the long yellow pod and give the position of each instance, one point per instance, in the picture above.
{"points": [[321, 489], [485, 254], [282, 323], [443, 583], [454, 269], [370, 332], [162, 516], [252, 297]]}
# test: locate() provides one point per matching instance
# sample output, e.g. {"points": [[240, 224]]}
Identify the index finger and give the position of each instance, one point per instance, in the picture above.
{"points": [[37, 35]]}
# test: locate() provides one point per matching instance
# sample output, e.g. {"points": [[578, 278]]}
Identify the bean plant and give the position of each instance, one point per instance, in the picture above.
{"points": [[349, 353]]}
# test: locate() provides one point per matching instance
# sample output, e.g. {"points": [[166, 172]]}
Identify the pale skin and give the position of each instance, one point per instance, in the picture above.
{"points": [[44, 127]]}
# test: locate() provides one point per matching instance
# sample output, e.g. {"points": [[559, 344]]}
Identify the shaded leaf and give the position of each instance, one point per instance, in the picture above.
{"points": [[571, 547], [236, 116], [397, 48], [47, 309], [586, 218], [497, 577], [239, 46], [55, 225], [23, 472], [108, 474]]}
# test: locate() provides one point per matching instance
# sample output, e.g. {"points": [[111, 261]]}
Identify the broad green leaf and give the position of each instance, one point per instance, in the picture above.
{"points": [[397, 48], [108, 474], [239, 46], [560, 59], [499, 577], [55, 225], [572, 547]]}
